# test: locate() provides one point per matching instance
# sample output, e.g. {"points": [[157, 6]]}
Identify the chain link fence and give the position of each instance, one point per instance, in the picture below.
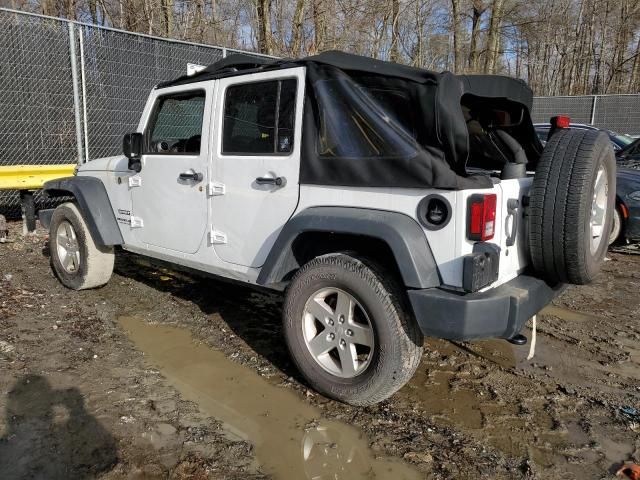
{"points": [[36, 94], [70, 91], [620, 113], [120, 70]]}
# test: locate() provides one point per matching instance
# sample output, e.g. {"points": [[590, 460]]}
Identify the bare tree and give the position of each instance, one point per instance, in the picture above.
{"points": [[265, 37], [478, 9], [493, 36], [394, 55], [297, 28], [557, 46]]}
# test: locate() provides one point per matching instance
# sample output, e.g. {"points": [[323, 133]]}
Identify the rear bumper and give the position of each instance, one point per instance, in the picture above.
{"points": [[499, 312]]}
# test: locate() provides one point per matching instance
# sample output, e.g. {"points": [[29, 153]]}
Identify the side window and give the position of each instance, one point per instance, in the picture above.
{"points": [[259, 118], [397, 105], [355, 124], [176, 124]]}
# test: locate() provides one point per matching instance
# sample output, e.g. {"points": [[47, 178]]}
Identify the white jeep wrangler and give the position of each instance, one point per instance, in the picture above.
{"points": [[387, 202]]}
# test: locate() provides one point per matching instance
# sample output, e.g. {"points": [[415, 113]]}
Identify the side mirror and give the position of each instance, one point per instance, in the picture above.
{"points": [[132, 149]]}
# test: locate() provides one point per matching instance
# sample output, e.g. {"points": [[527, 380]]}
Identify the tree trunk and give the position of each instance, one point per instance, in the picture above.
{"points": [[493, 38], [49, 8], [416, 61], [167, 17], [616, 73], [476, 16], [93, 11], [394, 55], [634, 78], [598, 81], [265, 36], [319, 26], [457, 36], [298, 19]]}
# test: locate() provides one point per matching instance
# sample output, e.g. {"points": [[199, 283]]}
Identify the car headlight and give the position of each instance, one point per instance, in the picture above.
{"points": [[635, 195]]}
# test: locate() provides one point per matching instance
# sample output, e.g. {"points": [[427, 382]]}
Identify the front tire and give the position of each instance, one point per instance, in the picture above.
{"points": [[616, 227], [76, 260], [349, 329]]}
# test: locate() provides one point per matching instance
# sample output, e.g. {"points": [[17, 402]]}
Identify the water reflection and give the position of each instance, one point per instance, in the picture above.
{"points": [[288, 441], [329, 453]]}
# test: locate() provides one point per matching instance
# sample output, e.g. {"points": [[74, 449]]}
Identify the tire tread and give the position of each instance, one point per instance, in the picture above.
{"points": [[560, 205], [406, 354]]}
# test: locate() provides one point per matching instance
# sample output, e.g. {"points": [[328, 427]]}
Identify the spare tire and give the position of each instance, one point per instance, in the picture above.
{"points": [[571, 206]]}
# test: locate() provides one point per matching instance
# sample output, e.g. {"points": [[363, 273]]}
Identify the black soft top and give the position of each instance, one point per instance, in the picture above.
{"points": [[413, 122]]}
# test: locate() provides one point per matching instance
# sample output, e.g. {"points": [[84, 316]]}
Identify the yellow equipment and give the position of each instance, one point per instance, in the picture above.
{"points": [[27, 178], [31, 177]]}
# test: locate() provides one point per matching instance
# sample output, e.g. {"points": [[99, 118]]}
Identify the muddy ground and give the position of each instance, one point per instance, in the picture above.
{"points": [[165, 375]]}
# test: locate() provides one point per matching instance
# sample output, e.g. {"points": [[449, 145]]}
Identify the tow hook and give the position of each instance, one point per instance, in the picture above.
{"points": [[518, 339]]}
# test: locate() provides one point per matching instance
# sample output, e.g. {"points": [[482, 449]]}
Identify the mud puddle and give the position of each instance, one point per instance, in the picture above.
{"points": [[570, 315], [290, 438], [460, 395], [459, 385]]}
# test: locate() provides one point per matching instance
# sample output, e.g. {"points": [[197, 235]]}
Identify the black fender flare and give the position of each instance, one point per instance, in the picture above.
{"points": [[401, 233], [93, 202]]}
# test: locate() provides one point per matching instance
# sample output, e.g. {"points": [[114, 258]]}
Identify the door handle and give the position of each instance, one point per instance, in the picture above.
{"points": [[277, 181], [191, 175]]}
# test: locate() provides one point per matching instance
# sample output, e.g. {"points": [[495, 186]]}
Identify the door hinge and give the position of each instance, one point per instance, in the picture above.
{"points": [[136, 222], [217, 237], [216, 188], [135, 181]]}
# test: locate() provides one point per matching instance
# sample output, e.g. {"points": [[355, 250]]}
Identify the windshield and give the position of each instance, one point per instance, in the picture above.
{"points": [[632, 150], [621, 140]]}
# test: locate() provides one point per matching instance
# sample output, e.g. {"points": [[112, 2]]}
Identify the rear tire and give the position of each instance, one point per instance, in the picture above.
{"points": [[315, 329], [571, 203], [76, 260]]}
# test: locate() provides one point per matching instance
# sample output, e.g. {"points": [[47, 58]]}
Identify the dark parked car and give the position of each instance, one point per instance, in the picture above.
{"points": [[626, 219], [630, 154], [619, 141], [628, 189]]}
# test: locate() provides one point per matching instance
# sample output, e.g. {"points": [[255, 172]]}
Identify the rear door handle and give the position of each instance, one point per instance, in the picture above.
{"points": [[191, 175], [277, 181]]}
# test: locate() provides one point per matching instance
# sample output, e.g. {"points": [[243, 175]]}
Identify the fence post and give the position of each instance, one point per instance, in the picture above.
{"points": [[83, 75], [224, 52], [76, 92], [593, 109]]}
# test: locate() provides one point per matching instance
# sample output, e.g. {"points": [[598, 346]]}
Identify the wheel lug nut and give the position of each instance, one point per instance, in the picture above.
{"points": [[331, 336], [342, 343], [349, 333], [341, 319], [331, 321]]}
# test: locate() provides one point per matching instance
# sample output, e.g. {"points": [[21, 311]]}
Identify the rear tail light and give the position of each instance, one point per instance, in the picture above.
{"points": [[481, 216]]}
